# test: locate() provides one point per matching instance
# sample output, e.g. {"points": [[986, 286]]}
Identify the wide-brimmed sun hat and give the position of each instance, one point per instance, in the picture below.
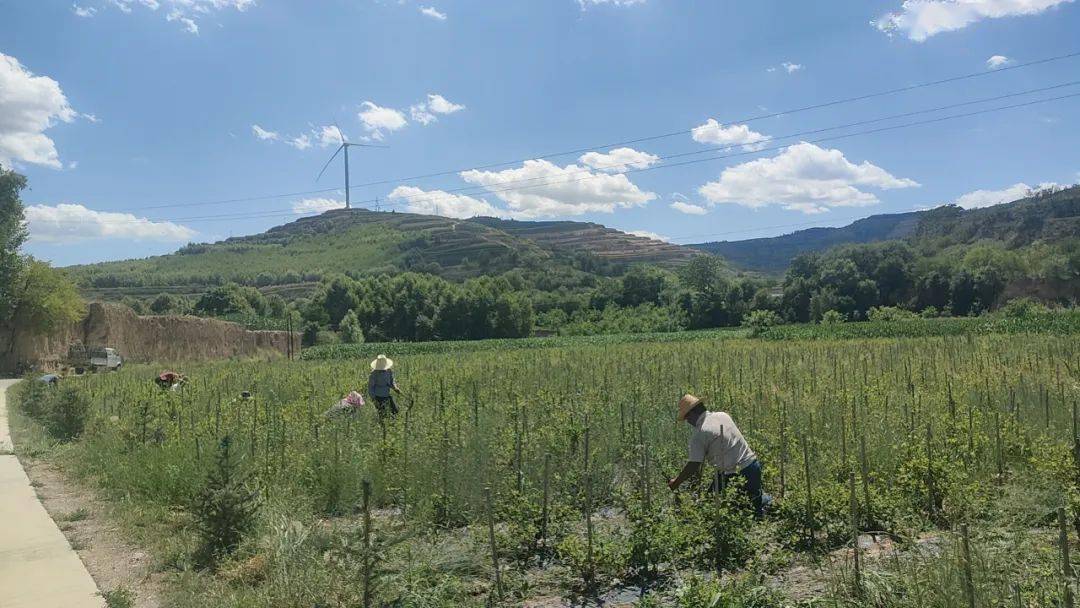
{"points": [[687, 403], [381, 363]]}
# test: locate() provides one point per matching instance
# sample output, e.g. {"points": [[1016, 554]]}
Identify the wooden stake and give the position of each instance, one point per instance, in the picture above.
{"points": [[855, 533], [547, 495], [865, 476], [366, 562], [491, 540], [1000, 449], [969, 584], [589, 570], [809, 492], [1066, 564]]}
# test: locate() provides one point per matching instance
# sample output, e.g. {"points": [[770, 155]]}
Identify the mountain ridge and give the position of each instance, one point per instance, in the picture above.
{"points": [[1048, 215]]}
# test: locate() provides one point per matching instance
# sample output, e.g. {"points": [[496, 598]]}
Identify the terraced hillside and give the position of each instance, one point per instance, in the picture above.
{"points": [[289, 258], [599, 240]]}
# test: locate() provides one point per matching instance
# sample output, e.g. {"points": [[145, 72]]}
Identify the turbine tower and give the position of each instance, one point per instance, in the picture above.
{"points": [[345, 145]]}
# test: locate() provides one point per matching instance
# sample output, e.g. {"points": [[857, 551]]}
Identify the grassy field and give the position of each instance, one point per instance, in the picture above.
{"points": [[535, 476]]}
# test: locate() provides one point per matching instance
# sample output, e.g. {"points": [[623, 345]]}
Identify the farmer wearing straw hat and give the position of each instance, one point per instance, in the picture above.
{"points": [[717, 440], [380, 383]]}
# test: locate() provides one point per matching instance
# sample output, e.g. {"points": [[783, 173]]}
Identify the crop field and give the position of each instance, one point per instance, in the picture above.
{"points": [[932, 471]]}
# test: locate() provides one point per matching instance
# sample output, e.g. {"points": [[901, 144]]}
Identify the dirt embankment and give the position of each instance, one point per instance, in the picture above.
{"points": [[164, 338]]}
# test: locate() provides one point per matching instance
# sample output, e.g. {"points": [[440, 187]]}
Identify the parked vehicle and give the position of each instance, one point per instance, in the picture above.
{"points": [[96, 358]]}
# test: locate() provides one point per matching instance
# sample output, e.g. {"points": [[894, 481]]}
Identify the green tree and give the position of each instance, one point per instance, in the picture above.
{"points": [[166, 304], [222, 300], [351, 332], [12, 236], [44, 300]]}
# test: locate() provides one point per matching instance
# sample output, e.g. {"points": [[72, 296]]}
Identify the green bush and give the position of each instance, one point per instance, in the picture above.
{"points": [[832, 317], [760, 320], [891, 313], [224, 509], [67, 413], [1021, 308], [35, 397]]}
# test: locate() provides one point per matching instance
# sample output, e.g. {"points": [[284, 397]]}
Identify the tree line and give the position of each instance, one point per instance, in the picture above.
{"points": [[34, 297]]}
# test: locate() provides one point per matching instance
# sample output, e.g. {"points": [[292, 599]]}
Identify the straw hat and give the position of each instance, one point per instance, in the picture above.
{"points": [[686, 404], [381, 363]]}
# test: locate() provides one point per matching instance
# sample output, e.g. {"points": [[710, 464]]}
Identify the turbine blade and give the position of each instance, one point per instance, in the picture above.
{"points": [[340, 148]]}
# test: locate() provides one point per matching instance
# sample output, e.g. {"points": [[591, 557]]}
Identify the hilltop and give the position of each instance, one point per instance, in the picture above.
{"points": [[358, 242], [1048, 217]]}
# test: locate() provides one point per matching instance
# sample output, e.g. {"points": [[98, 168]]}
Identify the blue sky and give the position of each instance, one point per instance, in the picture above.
{"points": [[150, 108]]}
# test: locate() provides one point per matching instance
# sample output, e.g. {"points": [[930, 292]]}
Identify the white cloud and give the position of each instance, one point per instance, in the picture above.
{"points": [[440, 105], [29, 105], [803, 178], [316, 205], [188, 22], [920, 19], [263, 134], [787, 66], [432, 12], [420, 114], [649, 235], [688, 208], [300, 142], [542, 189], [377, 120], [714, 133], [997, 61], [438, 202], [328, 135], [184, 12], [618, 160], [83, 11], [425, 112], [989, 198], [67, 223], [587, 3]]}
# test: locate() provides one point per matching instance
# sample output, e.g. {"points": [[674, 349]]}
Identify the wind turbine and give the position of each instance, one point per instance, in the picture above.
{"points": [[345, 145]]}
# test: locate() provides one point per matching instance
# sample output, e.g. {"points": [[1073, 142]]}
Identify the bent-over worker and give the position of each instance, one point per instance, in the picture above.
{"points": [[717, 440], [380, 383]]}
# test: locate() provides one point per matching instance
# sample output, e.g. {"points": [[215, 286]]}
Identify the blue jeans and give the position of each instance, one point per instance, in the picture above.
{"points": [[751, 473]]}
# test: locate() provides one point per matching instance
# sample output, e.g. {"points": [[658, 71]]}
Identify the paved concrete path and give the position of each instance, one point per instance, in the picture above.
{"points": [[38, 568]]}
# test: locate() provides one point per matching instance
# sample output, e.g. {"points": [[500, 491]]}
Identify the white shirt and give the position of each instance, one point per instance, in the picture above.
{"points": [[719, 442]]}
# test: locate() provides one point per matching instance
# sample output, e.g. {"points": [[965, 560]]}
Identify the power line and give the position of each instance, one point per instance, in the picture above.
{"points": [[805, 108], [243, 215], [487, 188]]}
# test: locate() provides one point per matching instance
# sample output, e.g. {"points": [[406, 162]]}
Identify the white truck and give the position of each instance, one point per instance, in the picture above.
{"points": [[96, 358]]}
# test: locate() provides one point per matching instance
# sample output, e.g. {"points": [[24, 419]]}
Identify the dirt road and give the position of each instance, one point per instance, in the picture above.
{"points": [[38, 568]]}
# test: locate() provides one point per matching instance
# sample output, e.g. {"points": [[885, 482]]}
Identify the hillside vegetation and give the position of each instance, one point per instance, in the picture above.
{"points": [[1048, 217], [362, 242]]}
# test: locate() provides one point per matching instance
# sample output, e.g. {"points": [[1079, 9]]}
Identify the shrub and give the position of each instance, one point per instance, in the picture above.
{"points": [[760, 320], [890, 313], [930, 312], [35, 397], [224, 509], [832, 317], [66, 415], [1022, 307]]}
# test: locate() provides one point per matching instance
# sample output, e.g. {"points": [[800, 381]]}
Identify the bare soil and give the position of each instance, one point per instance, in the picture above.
{"points": [[82, 516]]}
